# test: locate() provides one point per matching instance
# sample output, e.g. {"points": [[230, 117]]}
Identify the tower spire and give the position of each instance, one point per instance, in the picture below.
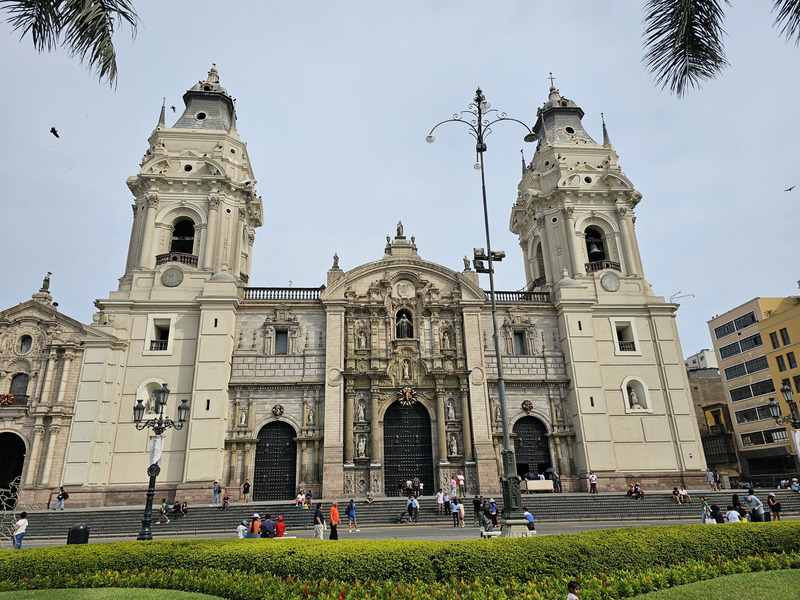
{"points": [[606, 139], [161, 119]]}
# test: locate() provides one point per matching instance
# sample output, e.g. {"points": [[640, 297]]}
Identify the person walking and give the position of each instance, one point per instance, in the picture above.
{"points": [[462, 484], [246, 491], [477, 510], [216, 492], [455, 503], [351, 517], [62, 495], [163, 511], [319, 522], [440, 502], [592, 482], [774, 506], [19, 530], [333, 514]]}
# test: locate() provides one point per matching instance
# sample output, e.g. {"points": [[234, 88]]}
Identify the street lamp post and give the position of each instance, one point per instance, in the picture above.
{"points": [[159, 425], [479, 118], [793, 417]]}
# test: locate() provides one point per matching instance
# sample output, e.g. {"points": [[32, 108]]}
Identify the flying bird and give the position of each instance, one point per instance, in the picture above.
{"points": [[786, 190], [54, 132], [173, 108]]}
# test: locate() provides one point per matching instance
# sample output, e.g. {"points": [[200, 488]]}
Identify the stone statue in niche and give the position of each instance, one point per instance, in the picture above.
{"points": [[243, 416], [453, 446], [634, 398], [404, 327], [361, 447], [497, 416], [451, 413], [406, 369], [362, 340], [310, 417], [446, 340], [360, 410], [559, 415]]}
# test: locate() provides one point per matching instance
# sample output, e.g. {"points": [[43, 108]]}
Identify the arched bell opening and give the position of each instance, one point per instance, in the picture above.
{"points": [[183, 237], [595, 247]]}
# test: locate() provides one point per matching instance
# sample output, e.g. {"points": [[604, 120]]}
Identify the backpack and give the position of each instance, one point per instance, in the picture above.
{"points": [[66, 496]]}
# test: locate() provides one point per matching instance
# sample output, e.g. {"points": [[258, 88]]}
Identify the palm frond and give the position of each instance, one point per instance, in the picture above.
{"points": [[84, 27], [683, 40], [788, 18]]}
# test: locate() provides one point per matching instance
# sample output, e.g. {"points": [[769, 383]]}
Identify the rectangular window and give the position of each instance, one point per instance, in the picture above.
{"points": [[723, 330], [756, 365], [519, 342], [773, 337], [775, 436], [796, 380], [160, 338], [755, 438], [729, 350], [748, 343], [763, 387], [281, 342], [781, 363], [791, 360], [742, 393], [785, 336], [735, 371], [746, 416], [625, 336]]}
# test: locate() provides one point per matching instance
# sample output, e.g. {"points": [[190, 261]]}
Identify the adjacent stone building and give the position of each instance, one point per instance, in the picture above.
{"points": [[387, 371]]}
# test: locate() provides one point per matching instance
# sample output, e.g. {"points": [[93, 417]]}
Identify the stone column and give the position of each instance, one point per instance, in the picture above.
{"points": [[146, 256], [130, 263], [238, 471], [303, 462], [631, 265], [551, 271], [441, 422], [48, 377], [36, 450], [246, 461], [48, 460], [349, 397], [465, 419], [376, 447], [211, 237], [574, 251], [238, 246], [62, 384]]}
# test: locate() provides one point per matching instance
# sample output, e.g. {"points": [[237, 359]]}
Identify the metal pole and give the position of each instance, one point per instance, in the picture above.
{"points": [[147, 519]]}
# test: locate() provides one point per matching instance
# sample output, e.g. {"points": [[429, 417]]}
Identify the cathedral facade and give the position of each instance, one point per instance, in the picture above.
{"points": [[386, 372]]}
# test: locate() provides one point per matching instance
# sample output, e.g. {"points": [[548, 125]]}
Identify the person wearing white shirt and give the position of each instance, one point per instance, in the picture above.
{"points": [[241, 530], [440, 502], [733, 515], [19, 530]]}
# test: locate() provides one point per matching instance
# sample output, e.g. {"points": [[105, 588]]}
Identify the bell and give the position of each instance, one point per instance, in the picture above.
{"points": [[595, 252]]}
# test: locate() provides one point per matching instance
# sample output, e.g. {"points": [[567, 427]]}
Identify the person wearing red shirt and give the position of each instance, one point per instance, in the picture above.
{"points": [[280, 527], [334, 520]]}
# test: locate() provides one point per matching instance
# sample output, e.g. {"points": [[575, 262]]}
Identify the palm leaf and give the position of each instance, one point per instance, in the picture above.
{"points": [[788, 18], [84, 27], [683, 42]]}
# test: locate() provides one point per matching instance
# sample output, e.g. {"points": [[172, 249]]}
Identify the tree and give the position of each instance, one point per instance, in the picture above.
{"points": [[83, 27], [683, 39]]}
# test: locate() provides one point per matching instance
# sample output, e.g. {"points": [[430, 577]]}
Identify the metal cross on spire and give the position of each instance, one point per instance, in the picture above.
{"points": [[551, 78]]}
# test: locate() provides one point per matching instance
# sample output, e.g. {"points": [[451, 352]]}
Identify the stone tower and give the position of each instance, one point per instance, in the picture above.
{"points": [[173, 317], [628, 393]]}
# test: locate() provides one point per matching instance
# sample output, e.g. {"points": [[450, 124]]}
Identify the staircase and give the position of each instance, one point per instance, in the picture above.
{"points": [[546, 508]]}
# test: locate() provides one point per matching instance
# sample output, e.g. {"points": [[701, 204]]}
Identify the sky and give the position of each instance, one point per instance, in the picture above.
{"points": [[334, 101]]}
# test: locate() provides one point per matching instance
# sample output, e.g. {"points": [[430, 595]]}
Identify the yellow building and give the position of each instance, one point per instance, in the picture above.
{"points": [[780, 331]]}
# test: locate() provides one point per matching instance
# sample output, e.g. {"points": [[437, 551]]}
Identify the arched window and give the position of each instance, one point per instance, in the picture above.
{"points": [[19, 385], [183, 237], [405, 325], [595, 248], [25, 344]]}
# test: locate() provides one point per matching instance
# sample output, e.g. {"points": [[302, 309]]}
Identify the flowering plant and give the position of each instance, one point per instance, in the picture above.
{"points": [[6, 399]]}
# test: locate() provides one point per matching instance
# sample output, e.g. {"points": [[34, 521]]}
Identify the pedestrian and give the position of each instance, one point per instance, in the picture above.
{"points": [[462, 484], [446, 502], [492, 506], [574, 589], [400, 488], [215, 497], [592, 482], [19, 530], [267, 529], [710, 478], [529, 518], [733, 514], [246, 491], [241, 530], [774, 506], [254, 526], [705, 512], [455, 508], [226, 501], [280, 527], [476, 510], [453, 487], [333, 513], [62, 495], [351, 516], [319, 522], [556, 482], [440, 502], [162, 512], [717, 481], [461, 514], [754, 507]]}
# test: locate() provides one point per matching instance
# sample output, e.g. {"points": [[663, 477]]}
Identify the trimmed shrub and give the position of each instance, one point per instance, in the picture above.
{"points": [[633, 548]]}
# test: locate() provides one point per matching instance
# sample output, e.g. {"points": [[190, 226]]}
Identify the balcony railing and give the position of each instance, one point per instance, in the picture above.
{"points": [[539, 297], [627, 346], [275, 293], [599, 265], [178, 257], [159, 344]]}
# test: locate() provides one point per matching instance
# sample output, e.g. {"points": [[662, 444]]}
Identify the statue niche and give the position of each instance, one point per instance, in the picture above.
{"points": [[404, 325]]}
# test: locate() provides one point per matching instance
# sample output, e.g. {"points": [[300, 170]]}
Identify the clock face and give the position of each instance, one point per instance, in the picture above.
{"points": [[172, 277], [610, 282]]}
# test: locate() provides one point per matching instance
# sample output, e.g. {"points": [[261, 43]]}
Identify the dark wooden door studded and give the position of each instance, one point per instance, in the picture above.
{"points": [[407, 448], [276, 463]]}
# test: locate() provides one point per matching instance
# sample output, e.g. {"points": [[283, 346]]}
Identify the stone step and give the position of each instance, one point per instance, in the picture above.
{"points": [[126, 521]]}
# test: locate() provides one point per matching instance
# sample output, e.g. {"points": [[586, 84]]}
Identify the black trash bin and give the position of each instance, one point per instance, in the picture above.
{"points": [[78, 534]]}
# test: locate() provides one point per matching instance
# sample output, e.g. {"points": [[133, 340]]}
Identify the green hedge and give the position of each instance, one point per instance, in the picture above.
{"points": [[635, 548]]}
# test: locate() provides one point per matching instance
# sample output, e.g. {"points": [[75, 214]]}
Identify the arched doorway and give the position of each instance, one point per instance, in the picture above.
{"points": [[12, 449], [276, 463], [530, 446], [407, 447]]}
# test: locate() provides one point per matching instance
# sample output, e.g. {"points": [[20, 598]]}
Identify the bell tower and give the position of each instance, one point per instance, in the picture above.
{"points": [[629, 394]]}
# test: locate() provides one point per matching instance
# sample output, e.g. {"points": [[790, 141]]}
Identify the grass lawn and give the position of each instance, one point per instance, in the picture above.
{"points": [[765, 585], [104, 593]]}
